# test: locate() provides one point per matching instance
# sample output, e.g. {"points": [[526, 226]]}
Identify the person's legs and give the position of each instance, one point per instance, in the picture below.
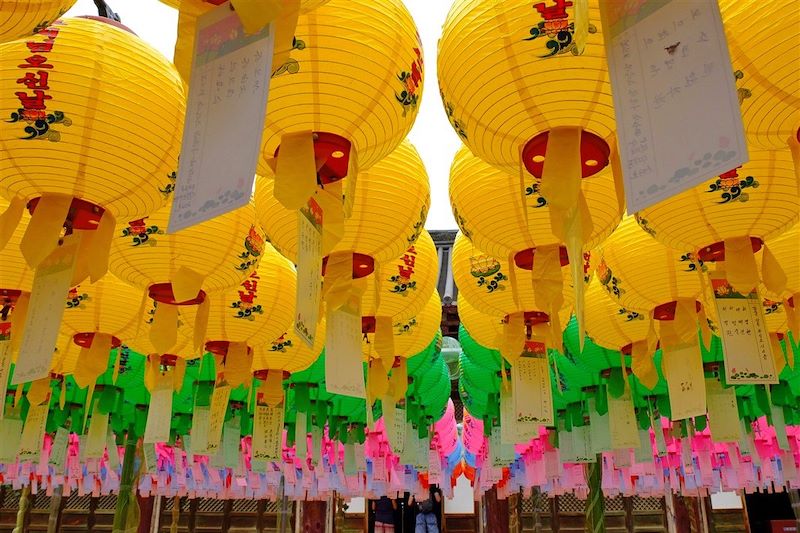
{"points": [[430, 522], [420, 526]]}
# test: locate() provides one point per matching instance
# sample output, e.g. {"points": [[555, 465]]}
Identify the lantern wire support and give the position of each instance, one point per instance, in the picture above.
{"points": [[104, 10]]}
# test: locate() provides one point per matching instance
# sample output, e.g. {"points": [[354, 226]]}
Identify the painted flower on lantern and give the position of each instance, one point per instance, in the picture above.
{"points": [[533, 189], [629, 316], [408, 327], [254, 247], [140, 233], [730, 186], [281, 343], [75, 299], [608, 280], [694, 263], [419, 225], [487, 271], [771, 306], [742, 93], [402, 279], [246, 306], [169, 188], [291, 65], [556, 27], [410, 81]]}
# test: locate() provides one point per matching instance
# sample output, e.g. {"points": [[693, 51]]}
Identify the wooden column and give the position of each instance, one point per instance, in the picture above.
{"points": [[555, 515], [261, 507], [496, 513], [226, 515], [145, 513], [314, 516], [515, 513], [193, 503], [92, 519], [57, 502], [24, 511], [627, 503]]}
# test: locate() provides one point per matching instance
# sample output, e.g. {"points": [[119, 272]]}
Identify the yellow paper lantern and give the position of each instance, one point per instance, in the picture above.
{"points": [[24, 18], [347, 100], [526, 87], [501, 218], [663, 284], [487, 281], [410, 336], [285, 17], [390, 206], [763, 39], [531, 303], [16, 278], [611, 325], [99, 317], [185, 268], [732, 215], [487, 330], [288, 352], [252, 314], [404, 285], [86, 144], [511, 70]]}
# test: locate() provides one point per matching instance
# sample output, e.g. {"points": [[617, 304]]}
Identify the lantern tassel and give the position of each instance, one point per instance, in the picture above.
{"points": [[377, 379], [272, 388], [255, 14], [350, 183], [18, 318], [772, 273], [10, 219], [237, 364], [777, 353], [792, 315], [740, 264], [285, 27], [513, 337], [330, 200], [92, 361], [399, 380], [581, 25], [201, 325], [39, 391], [186, 284], [548, 285], [99, 246], [295, 170], [45, 227], [642, 364], [164, 329], [384, 338]]}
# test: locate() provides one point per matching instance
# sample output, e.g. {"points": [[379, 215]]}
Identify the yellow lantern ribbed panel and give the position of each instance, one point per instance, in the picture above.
{"points": [[289, 352], [389, 210], [786, 250], [761, 199], [258, 310], [406, 283], [94, 113], [223, 251], [305, 5], [15, 274], [763, 39], [108, 306], [412, 335], [358, 75], [487, 330], [502, 85], [500, 218], [640, 273], [486, 281], [608, 323], [775, 316], [21, 18]]}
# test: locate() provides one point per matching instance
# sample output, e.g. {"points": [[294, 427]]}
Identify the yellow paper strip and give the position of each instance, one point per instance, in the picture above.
{"points": [[44, 228], [295, 170]]}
